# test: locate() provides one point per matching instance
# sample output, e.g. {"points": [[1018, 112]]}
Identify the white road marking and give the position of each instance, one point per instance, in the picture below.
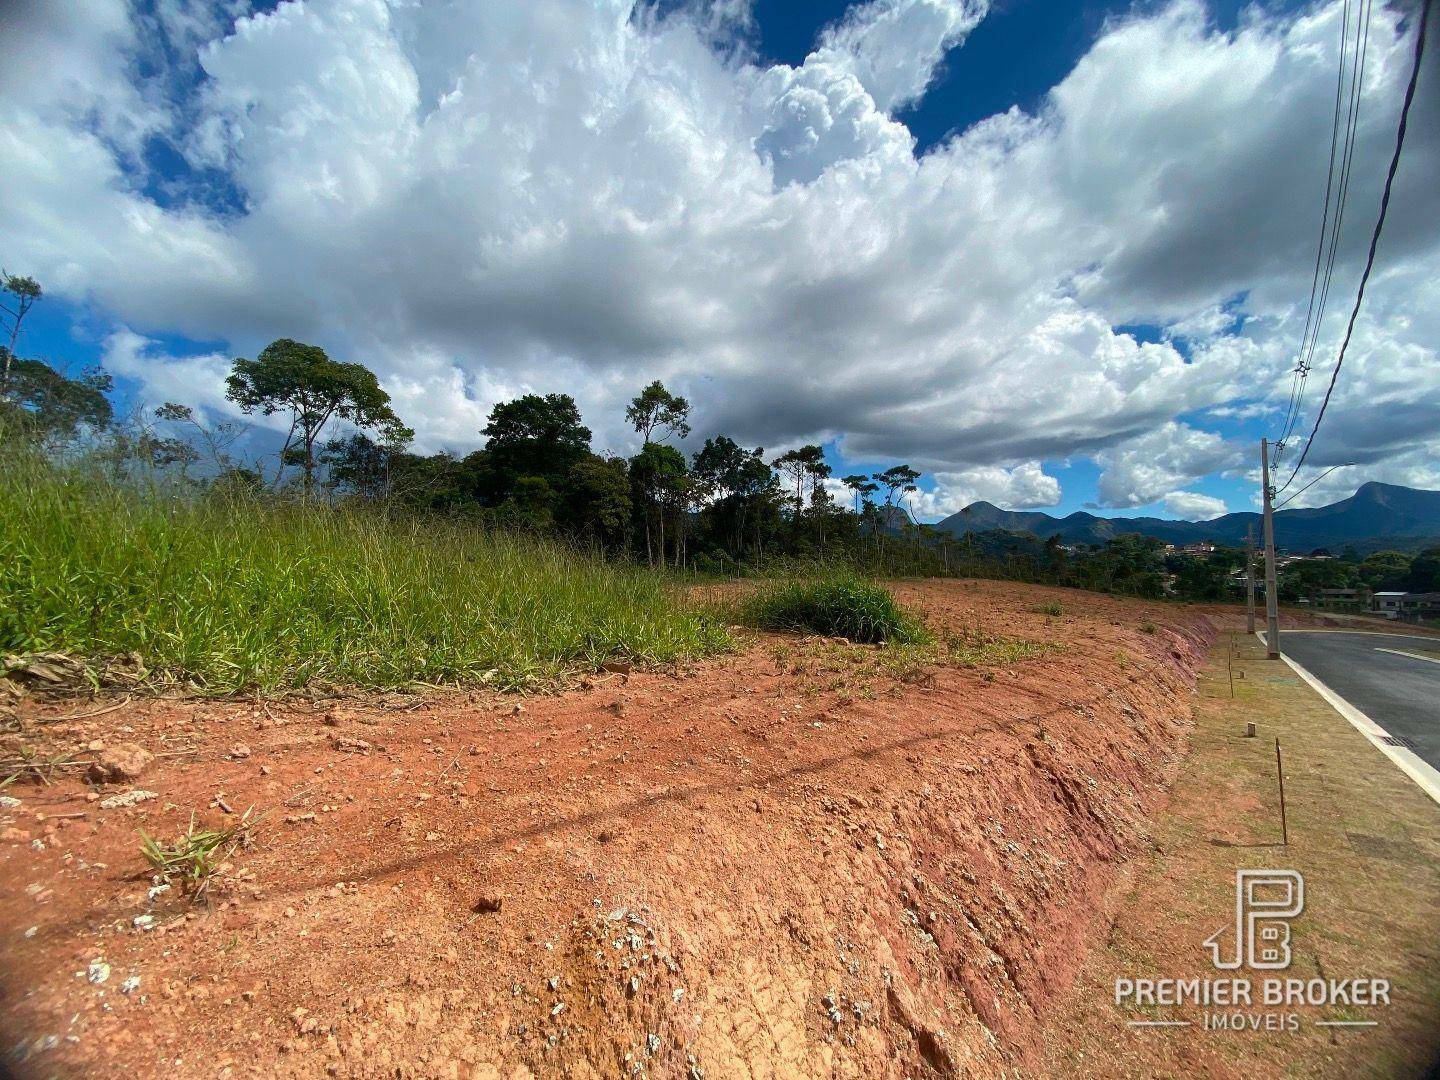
{"points": [[1411, 655], [1409, 762]]}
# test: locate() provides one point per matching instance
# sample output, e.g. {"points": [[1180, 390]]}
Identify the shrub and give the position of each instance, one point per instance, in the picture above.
{"points": [[1052, 608], [837, 605]]}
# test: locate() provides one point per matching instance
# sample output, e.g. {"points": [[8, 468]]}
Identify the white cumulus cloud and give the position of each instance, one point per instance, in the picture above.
{"points": [[583, 195]]}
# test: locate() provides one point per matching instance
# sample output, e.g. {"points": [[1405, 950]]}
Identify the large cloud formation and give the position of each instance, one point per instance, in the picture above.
{"points": [[479, 198]]}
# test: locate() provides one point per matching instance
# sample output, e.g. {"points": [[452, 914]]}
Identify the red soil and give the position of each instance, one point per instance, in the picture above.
{"points": [[780, 863]]}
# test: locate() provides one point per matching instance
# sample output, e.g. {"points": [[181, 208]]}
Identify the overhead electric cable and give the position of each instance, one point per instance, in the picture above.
{"points": [[1347, 159], [1420, 33]]}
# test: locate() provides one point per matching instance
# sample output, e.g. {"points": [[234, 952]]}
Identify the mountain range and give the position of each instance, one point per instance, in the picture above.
{"points": [[1376, 516]]}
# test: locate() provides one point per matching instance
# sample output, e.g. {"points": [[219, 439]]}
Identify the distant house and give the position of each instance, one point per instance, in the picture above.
{"points": [[1406, 606], [1342, 599], [1386, 603], [1200, 548]]}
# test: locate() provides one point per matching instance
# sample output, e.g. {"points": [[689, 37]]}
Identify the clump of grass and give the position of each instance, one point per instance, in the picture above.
{"points": [[255, 593], [1147, 627], [1052, 608], [193, 859], [837, 605]]}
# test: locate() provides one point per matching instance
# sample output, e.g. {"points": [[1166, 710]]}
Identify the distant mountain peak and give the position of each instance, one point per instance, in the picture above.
{"points": [[1375, 511]]}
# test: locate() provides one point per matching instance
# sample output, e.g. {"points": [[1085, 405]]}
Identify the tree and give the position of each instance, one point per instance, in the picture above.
{"points": [[290, 376], [658, 474], [741, 485], [1424, 575], [597, 501], [655, 407], [862, 486], [24, 292], [50, 403], [535, 436], [800, 464], [1385, 570], [895, 480]]}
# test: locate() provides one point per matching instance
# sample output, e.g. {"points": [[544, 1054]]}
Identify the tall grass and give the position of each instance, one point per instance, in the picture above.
{"points": [[243, 593]]}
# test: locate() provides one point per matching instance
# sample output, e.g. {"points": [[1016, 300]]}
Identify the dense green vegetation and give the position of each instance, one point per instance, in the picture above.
{"points": [[230, 591]]}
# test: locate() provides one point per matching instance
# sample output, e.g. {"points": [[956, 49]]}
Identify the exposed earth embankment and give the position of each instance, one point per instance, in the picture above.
{"points": [[804, 859]]}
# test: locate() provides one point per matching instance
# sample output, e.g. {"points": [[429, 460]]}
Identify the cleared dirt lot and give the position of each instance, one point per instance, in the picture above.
{"points": [[794, 861]]}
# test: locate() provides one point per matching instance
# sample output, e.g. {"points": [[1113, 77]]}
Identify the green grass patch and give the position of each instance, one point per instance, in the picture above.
{"points": [[836, 605], [231, 594], [1052, 609]]}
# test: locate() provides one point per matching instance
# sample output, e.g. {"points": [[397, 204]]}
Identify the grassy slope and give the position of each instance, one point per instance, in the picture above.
{"points": [[237, 594]]}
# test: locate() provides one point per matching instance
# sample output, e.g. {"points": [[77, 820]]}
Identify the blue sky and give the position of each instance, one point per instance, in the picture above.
{"points": [[1089, 303]]}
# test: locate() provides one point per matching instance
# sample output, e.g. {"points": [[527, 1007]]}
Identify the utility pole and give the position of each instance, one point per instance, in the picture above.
{"points": [[1272, 602], [1250, 579]]}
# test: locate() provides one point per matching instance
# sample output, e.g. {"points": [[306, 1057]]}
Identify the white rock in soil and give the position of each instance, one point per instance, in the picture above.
{"points": [[130, 798], [97, 972]]}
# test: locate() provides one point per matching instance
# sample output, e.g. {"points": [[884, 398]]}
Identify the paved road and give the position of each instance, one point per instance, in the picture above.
{"points": [[1400, 693]]}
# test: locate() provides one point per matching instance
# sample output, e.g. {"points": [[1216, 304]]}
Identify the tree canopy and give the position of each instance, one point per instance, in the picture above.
{"points": [[290, 376]]}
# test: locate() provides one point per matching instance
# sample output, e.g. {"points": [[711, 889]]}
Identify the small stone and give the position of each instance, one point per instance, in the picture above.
{"points": [[487, 905], [130, 985], [239, 752], [97, 972], [123, 763], [9, 802], [143, 922]]}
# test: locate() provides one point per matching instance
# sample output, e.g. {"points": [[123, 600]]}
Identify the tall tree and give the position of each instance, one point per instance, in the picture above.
{"points": [[898, 479], [741, 484], [656, 409], [597, 501], [24, 293], [535, 435], [862, 486], [290, 376], [49, 403], [658, 475], [801, 464]]}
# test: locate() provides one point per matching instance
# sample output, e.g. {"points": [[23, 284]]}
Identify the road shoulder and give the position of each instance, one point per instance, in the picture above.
{"points": [[1367, 841]]}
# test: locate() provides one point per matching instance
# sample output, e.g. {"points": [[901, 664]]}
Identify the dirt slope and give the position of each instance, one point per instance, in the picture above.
{"points": [[789, 862]]}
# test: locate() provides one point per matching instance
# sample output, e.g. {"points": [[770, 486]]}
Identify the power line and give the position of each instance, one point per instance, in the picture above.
{"points": [[1312, 483], [1375, 236], [1330, 238], [1297, 380]]}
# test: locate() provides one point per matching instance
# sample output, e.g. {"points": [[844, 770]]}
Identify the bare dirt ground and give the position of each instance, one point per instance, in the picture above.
{"points": [[796, 860]]}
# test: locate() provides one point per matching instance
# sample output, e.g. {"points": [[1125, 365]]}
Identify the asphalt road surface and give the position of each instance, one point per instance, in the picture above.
{"points": [[1400, 693]]}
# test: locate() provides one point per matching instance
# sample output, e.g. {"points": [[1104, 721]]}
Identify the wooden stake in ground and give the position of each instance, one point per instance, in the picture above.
{"points": [[1280, 776]]}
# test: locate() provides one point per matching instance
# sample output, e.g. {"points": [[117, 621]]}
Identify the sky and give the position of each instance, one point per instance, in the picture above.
{"points": [[1054, 253]]}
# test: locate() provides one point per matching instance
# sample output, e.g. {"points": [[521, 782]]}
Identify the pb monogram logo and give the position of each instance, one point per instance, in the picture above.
{"points": [[1265, 902]]}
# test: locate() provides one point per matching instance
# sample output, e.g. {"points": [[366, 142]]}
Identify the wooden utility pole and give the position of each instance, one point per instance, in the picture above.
{"points": [[1272, 601], [1250, 579]]}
